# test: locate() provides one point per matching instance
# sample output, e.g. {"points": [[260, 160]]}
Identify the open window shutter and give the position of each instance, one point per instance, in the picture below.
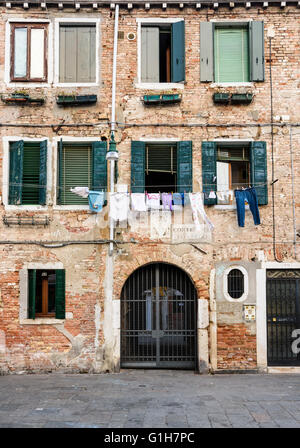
{"points": [[60, 294], [60, 171], [258, 171], [31, 293], [150, 54], [43, 172], [206, 52], [257, 51], [16, 156], [184, 167], [137, 167], [99, 166], [178, 52], [209, 170]]}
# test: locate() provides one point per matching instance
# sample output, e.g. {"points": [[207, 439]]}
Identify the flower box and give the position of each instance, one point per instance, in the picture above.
{"points": [[75, 100], [241, 98], [161, 99], [221, 98]]}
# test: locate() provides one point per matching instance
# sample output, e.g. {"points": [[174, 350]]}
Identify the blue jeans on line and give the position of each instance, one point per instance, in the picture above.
{"points": [[250, 196]]}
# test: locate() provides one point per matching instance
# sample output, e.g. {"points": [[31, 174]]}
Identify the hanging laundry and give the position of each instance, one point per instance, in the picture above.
{"points": [[220, 196], [153, 201], [197, 207], [80, 191], [167, 201], [185, 199], [177, 199], [96, 200], [249, 195], [119, 206], [212, 195], [138, 202]]}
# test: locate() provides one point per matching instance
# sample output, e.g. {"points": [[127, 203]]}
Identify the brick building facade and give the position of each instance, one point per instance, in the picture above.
{"points": [[226, 122]]}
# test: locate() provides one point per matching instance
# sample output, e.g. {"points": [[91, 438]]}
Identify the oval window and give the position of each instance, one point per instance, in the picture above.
{"points": [[235, 283]]}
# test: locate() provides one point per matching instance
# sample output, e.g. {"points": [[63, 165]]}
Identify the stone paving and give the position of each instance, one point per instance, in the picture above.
{"points": [[150, 399]]}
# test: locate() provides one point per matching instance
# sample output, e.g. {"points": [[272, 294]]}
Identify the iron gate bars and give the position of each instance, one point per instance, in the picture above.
{"points": [[283, 316], [158, 318]]}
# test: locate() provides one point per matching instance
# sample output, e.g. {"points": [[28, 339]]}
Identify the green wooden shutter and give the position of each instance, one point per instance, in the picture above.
{"points": [[178, 52], [99, 166], [43, 172], [60, 293], [206, 52], [258, 171], [16, 155], [231, 51], [257, 62], [31, 293], [184, 167], [137, 167], [150, 54], [31, 173], [209, 170]]}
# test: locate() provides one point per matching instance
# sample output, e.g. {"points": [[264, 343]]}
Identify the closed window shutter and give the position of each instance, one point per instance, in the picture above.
{"points": [[99, 166], [231, 50], [60, 288], [31, 173], [86, 54], [67, 54], [137, 167], [43, 172], [258, 171], [59, 171], [150, 54], [31, 293], [184, 167], [16, 155], [178, 52], [257, 51], [75, 170], [206, 52], [209, 170]]}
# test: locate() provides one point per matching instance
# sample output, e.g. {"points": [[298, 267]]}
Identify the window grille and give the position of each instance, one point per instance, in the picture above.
{"points": [[235, 283]]}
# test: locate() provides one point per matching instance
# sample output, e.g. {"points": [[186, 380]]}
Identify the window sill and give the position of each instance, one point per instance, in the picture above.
{"points": [[159, 85], [27, 85], [42, 321], [232, 84], [76, 84], [28, 208], [71, 207]]}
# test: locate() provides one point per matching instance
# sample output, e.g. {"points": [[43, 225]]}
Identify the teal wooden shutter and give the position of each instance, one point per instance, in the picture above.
{"points": [[31, 173], [16, 155], [206, 52], [184, 167], [31, 293], [257, 62], [43, 172], [209, 170], [150, 54], [59, 171], [258, 171], [178, 52], [231, 51], [137, 167], [60, 288], [99, 166]]}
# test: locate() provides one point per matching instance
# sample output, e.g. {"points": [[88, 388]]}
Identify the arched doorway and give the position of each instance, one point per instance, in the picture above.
{"points": [[158, 318]]}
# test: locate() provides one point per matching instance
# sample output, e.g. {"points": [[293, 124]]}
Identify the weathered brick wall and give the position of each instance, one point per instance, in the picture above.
{"points": [[79, 346]]}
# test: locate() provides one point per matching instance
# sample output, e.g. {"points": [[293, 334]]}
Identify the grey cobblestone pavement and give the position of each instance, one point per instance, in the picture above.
{"points": [[150, 399]]}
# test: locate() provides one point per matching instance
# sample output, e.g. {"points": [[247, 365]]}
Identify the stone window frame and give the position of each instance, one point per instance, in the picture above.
{"points": [[153, 85], [225, 284], [5, 174], [8, 54], [24, 297], [73, 21]]}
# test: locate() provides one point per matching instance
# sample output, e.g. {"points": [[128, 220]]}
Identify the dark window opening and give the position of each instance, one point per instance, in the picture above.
{"points": [[161, 168], [45, 293], [165, 55], [235, 283]]}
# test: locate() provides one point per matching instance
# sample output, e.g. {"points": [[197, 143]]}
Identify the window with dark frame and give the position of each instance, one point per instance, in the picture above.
{"points": [[233, 169], [235, 283], [28, 52], [161, 168]]}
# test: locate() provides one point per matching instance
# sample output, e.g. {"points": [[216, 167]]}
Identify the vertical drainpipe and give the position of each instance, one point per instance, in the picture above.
{"points": [[293, 195], [113, 120]]}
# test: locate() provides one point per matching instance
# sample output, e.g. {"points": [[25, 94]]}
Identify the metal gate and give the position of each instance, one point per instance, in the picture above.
{"points": [[158, 318], [283, 316]]}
